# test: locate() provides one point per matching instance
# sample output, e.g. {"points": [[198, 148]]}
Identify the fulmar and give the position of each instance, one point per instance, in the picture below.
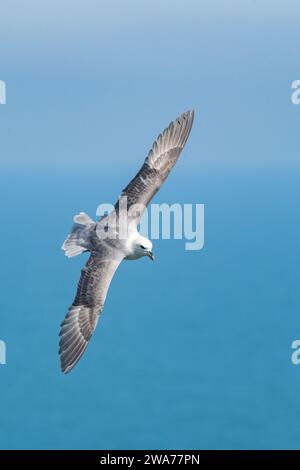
{"points": [[106, 245]]}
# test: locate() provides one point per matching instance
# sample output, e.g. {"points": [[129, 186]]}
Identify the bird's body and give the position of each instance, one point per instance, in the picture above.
{"points": [[115, 238]]}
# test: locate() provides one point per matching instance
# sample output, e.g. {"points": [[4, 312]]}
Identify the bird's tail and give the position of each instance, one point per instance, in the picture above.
{"points": [[78, 240]]}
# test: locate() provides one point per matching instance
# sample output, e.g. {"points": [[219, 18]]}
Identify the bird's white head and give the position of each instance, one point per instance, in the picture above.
{"points": [[142, 247]]}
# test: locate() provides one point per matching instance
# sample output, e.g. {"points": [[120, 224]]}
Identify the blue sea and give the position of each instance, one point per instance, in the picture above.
{"points": [[192, 350]]}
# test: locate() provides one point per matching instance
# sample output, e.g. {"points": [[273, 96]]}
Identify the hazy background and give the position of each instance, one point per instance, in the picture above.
{"points": [[192, 351]]}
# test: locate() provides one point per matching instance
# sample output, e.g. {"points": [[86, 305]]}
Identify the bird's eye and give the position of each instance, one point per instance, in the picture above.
{"points": [[143, 248]]}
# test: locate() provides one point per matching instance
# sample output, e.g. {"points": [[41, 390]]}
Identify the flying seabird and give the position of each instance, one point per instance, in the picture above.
{"points": [[107, 248]]}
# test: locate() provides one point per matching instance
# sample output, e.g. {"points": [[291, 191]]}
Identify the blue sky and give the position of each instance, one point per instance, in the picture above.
{"points": [[143, 63]]}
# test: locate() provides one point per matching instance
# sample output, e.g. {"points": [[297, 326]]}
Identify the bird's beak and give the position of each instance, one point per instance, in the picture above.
{"points": [[151, 255]]}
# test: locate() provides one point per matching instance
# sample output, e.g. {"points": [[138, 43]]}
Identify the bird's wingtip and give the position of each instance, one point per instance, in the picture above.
{"points": [[190, 111], [187, 115], [66, 369]]}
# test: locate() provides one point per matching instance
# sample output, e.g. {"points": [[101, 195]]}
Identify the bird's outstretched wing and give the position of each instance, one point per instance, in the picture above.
{"points": [[81, 320], [158, 164]]}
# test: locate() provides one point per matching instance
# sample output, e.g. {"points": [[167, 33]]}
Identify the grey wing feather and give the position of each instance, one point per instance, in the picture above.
{"points": [[81, 320], [159, 162]]}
